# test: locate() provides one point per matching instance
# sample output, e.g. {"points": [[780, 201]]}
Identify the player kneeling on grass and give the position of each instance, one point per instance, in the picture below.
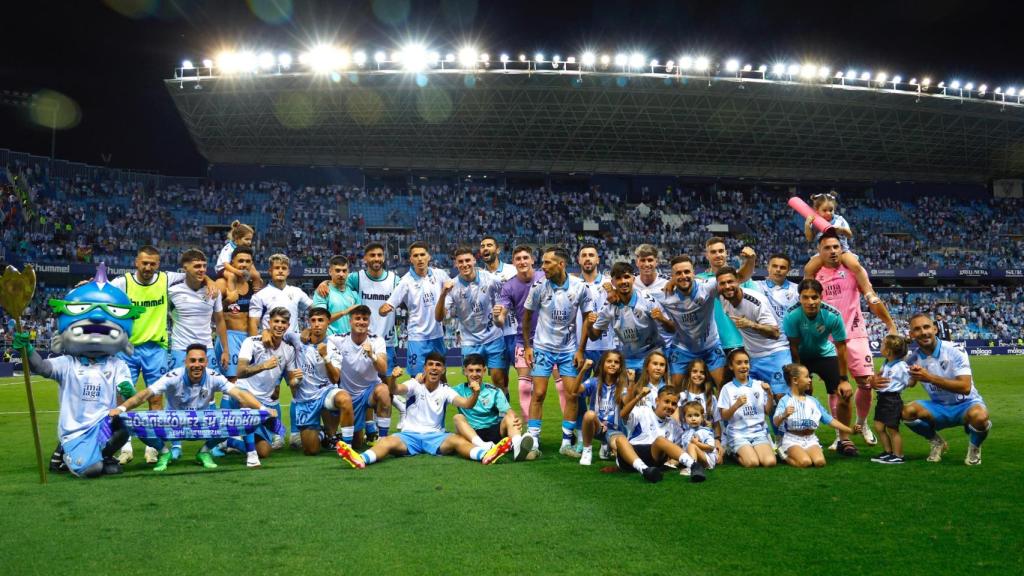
{"points": [[797, 417], [490, 424], [423, 425], [602, 392], [653, 433], [697, 440], [191, 388], [742, 404]]}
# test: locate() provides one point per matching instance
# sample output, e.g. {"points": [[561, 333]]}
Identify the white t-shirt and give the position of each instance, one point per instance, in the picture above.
{"points": [[946, 361], [807, 414], [556, 308], [424, 410], [224, 257], [87, 391], [270, 297], [631, 322], [899, 374], [755, 306], [358, 371], [644, 427], [263, 384], [656, 290], [182, 394], [192, 315], [749, 418], [375, 293], [420, 294], [781, 297]]}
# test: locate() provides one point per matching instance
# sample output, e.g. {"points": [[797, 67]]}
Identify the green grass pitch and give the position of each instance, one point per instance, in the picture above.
{"points": [[423, 515]]}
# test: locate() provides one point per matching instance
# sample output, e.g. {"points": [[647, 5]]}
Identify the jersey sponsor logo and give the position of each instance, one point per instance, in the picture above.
{"points": [[150, 303], [378, 297]]}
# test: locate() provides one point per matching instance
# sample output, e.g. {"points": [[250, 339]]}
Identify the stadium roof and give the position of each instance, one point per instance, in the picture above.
{"points": [[599, 122]]}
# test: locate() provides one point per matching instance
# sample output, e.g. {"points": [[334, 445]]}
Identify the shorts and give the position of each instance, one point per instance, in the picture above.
{"points": [[741, 439], [423, 442], [769, 369], [608, 435], [416, 354], [490, 434], [392, 359], [680, 357], [858, 357], [826, 368], [712, 459], [307, 414], [637, 362], [360, 402], [948, 416], [509, 359], [212, 359], [87, 449], [149, 359], [265, 430], [791, 440], [235, 339], [643, 451], [889, 409], [545, 362], [493, 353]]}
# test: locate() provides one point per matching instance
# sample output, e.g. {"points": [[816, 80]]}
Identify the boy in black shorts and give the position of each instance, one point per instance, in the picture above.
{"points": [[889, 384], [491, 420]]}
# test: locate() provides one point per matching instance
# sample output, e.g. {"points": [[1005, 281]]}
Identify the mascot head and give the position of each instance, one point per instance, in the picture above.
{"points": [[94, 320]]}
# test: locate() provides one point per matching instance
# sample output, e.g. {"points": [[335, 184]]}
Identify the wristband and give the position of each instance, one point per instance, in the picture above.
{"points": [[122, 408], [844, 378]]}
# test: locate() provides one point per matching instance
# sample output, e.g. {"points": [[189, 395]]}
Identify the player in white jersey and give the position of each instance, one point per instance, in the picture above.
{"points": [[752, 314], [419, 291], [490, 253], [261, 367], [192, 387], [651, 434], [953, 400], [593, 348], [194, 311], [319, 404], [690, 303], [780, 292], [470, 299], [277, 293], [362, 358], [651, 282], [423, 431], [555, 302], [633, 317]]}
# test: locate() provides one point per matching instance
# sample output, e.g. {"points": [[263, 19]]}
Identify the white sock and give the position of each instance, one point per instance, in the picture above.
{"points": [[686, 460], [639, 465], [477, 441], [588, 449]]}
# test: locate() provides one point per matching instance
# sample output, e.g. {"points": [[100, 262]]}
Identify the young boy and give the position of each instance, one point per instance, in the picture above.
{"points": [[491, 423], [652, 435], [888, 385]]}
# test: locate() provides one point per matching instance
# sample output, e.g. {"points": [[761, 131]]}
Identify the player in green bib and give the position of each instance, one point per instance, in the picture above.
{"points": [[490, 423], [340, 299]]}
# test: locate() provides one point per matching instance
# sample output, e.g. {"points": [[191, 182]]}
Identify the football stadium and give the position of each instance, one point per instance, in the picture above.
{"points": [[423, 301]]}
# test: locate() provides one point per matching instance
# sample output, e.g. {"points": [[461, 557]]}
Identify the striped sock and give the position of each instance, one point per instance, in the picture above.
{"points": [[383, 425], [533, 429], [477, 454], [922, 427], [347, 432], [369, 457], [978, 436], [568, 427]]}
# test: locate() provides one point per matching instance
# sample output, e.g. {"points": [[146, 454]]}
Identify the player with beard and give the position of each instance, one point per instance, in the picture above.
{"points": [[490, 253]]}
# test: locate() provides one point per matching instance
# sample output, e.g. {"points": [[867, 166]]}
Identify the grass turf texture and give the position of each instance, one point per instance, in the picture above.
{"points": [[446, 515]]}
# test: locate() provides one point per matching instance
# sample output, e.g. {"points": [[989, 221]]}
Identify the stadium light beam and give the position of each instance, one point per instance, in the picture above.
{"points": [[415, 57], [779, 70], [267, 61], [866, 76], [284, 60], [636, 60], [187, 65], [701, 64], [468, 57], [589, 59], [208, 63], [685, 63], [732, 65]]}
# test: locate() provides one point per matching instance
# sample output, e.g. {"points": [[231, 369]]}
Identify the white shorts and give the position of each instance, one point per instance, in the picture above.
{"points": [[805, 442], [712, 459], [736, 441]]}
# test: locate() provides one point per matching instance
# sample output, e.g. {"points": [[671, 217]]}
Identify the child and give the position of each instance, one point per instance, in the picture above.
{"points": [[825, 206], [699, 387], [894, 377], [698, 442], [601, 391], [653, 433], [742, 404], [798, 416], [240, 236], [652, 377]]}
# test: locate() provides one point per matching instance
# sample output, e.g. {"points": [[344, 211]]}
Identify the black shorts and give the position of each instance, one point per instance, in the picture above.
{"points": [[889, 409], [491, 434], [643, 451], [826, 368]]}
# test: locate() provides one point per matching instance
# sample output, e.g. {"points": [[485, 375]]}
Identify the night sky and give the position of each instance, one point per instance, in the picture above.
{"points": [[110, 57]]}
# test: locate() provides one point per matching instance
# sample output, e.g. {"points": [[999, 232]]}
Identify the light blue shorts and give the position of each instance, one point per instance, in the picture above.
{"points": [[493, 353], [948, 416], [425, 443], [86, 450], [360, 402], [149, 359], [769, 369], [544, 363], [679, 358], [417, 351], [741, 439], [307, 414], [509, 358], [636, 363], [235, 339]]}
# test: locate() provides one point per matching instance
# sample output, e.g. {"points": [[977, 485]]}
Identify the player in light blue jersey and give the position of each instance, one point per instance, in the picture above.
{"points": [[419, 290], [555, 302], [593, 347], [690, 304], [192, 387], [470, 299], [490, 254], [945, 372], [780, 292], [633, 317]]}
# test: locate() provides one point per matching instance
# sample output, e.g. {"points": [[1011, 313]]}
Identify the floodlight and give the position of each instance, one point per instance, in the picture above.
{"points": [[485, 57], [669, 66], [414, 57], [808, 70], [732, 65], [605, 59], [747, 67], [823, 72], [187, 64], [247, 61], [999, 89], [942, 85], [779, 69], [913, 82], [685, 63], [621, 60], [1011, 91], [653, 63], [897, 79], [359, 58], [284, 60], [378, 57], [449, 57], [839, 75], [503, 58], [701, 64], [589, 59], [762, 68], [955, 84], [538, 57], [207, 63], [793, 69], [522, 57], [467, 57], [267, 60], [865, 76], [880, 78], [227, 62], [851, 74], [570, 60], [926, 82], [969, 86], [983, 88]]}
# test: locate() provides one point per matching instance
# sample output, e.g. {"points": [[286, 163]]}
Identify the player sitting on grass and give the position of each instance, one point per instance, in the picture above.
{"points": [[653, 433], [742, 404], [698, 442], [423, 425], [192, 388], [602, 392], [797, 417], [490, 424]]}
